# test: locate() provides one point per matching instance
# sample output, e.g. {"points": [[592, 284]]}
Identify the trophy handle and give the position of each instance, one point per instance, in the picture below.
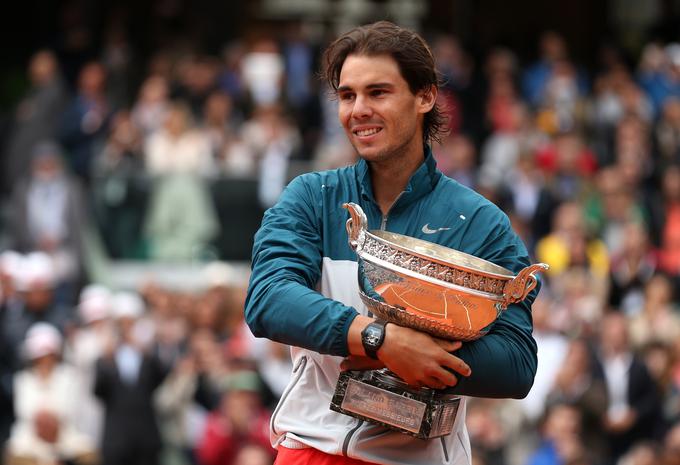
{"points": [[517, 289], [356, 225]]}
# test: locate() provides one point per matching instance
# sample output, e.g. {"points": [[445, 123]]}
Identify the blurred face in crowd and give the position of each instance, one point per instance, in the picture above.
{"points": [[240, 407], [38, 298], [154, 90], [42, 68], [253, 454], [382, 118], [177, 121], [658, 292], [217, 108], [47, 167], [671, 183], [614, 334], [563, 420], [92, 79]]}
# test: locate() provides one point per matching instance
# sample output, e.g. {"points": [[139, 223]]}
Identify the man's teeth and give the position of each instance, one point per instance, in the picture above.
{"points": [[367, 132]]}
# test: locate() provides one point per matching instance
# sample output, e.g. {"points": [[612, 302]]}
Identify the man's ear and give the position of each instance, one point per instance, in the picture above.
{"points": [[426, 99]]}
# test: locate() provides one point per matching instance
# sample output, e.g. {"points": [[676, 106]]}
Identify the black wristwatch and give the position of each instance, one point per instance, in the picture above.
{"points": [[372, 337]]}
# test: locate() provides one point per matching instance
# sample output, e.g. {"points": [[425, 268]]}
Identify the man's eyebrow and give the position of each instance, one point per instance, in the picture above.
{"points": [[377, 85]]}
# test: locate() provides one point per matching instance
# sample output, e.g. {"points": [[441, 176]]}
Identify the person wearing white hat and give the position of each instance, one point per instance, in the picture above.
{"points": [[9, 261], [125, 380], [34, 281], [46, 405], [88, 343]]}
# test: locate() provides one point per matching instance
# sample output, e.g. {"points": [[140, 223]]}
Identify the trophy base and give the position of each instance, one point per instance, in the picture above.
{"points": [[380, 397]]}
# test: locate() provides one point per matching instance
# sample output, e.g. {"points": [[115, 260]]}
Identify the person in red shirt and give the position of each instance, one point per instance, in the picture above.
{"points": [[240, 420]]}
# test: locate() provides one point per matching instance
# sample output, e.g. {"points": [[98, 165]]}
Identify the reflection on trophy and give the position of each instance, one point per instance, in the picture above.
{"points": [[431, 288]]}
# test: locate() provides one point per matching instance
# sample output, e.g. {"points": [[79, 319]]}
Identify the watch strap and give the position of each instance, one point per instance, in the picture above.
{"points": [[372, 345]]}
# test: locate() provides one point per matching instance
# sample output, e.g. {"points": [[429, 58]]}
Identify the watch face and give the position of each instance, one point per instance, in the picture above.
{"points": [[373, 335]]}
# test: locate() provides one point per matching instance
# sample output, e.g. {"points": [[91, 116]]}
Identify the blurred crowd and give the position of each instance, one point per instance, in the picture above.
{"points": [[586, 162]]}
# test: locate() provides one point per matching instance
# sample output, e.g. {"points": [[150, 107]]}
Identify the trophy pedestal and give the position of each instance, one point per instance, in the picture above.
{"points": [[380, 397]]}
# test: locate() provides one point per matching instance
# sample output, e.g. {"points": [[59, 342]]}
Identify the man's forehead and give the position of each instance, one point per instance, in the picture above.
{"points": [[369, 70]]}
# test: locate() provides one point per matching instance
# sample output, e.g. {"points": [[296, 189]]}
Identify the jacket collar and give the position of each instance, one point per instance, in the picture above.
{"points": [[422, 182]]}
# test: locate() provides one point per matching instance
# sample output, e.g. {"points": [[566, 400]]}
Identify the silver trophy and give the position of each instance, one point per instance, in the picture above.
{"points": [[431, 288]]}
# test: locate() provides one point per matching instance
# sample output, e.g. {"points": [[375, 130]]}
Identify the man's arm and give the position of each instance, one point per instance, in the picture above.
{"points": [[281, 303], [503, 361]]}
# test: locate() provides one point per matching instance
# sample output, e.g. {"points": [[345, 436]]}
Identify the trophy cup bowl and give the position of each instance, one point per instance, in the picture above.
{"points": [[431, 288]]}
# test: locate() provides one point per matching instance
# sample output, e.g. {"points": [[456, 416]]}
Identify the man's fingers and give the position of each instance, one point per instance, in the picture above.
{"points": [[457, 365], [436, 383], [355, 362], [449, 346]]}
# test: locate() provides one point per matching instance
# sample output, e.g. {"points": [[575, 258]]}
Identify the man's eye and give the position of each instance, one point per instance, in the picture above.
{"points": [[346, 97], [377, 92]]}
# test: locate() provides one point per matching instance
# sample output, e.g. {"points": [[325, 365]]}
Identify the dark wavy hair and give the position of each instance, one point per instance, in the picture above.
{"points": [[406, 47]]}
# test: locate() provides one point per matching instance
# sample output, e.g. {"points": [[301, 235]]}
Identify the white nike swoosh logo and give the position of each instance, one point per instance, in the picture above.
{"points": [[426, 229]]}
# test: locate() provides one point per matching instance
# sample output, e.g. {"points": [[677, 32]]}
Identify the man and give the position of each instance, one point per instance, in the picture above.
{"points": [[303, 288]]}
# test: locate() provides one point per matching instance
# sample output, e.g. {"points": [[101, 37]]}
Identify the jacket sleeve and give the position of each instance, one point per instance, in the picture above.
{"points": [[503, 362], [282, 304]]}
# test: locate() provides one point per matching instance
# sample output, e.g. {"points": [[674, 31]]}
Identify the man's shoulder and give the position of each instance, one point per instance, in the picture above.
{"points": [[315, 182], [459, 197]]}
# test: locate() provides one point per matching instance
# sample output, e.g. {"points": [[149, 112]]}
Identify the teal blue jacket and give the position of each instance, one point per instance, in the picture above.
{"points": [[305, 231]]}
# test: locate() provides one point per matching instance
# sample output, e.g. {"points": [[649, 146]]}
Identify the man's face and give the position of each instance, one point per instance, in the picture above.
{"points": [[381, 116]]}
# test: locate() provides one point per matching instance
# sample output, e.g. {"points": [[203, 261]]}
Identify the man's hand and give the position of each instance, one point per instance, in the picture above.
{"points": [[417, 358]]}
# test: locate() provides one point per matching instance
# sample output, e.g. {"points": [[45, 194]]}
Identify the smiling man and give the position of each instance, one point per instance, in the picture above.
{"points": [[304, 291]]}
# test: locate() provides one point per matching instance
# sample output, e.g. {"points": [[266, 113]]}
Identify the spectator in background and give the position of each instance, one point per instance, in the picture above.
{"points": [[658, 318], [36, 117], [631, 267], [189, 392], [273, 139], [659, 73], [9, 361], [85, 122], [671, 446], [536, 79], [612, 207], [178, 148], [254, 454], [667, 134], [457, 158], [569, 244], [48, 213], [119, 193], [575, 385], [46, 405], [85, 346], [552, 350], [181, 220], [568, 165], [524, 192], [561, 433], [152, 105], [35, 282], [196, 81], [262, 73], [125, 380], [239, 421], [668, 222], [633, 408]]}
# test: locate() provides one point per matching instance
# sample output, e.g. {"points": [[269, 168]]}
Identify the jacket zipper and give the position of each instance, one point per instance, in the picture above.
{"points": [[383, 222], [345, 443], [446, 452], [299, 369]]}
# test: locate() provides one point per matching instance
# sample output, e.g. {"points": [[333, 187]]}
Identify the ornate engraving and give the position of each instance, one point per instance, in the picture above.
{"points": [[449, 274]]}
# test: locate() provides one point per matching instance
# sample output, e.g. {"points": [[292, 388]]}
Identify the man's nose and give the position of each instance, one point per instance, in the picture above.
{"points": [[362, 108]]}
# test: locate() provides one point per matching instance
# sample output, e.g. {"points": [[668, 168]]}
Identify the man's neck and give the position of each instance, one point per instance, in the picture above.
{"points": [[390, 178]]}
